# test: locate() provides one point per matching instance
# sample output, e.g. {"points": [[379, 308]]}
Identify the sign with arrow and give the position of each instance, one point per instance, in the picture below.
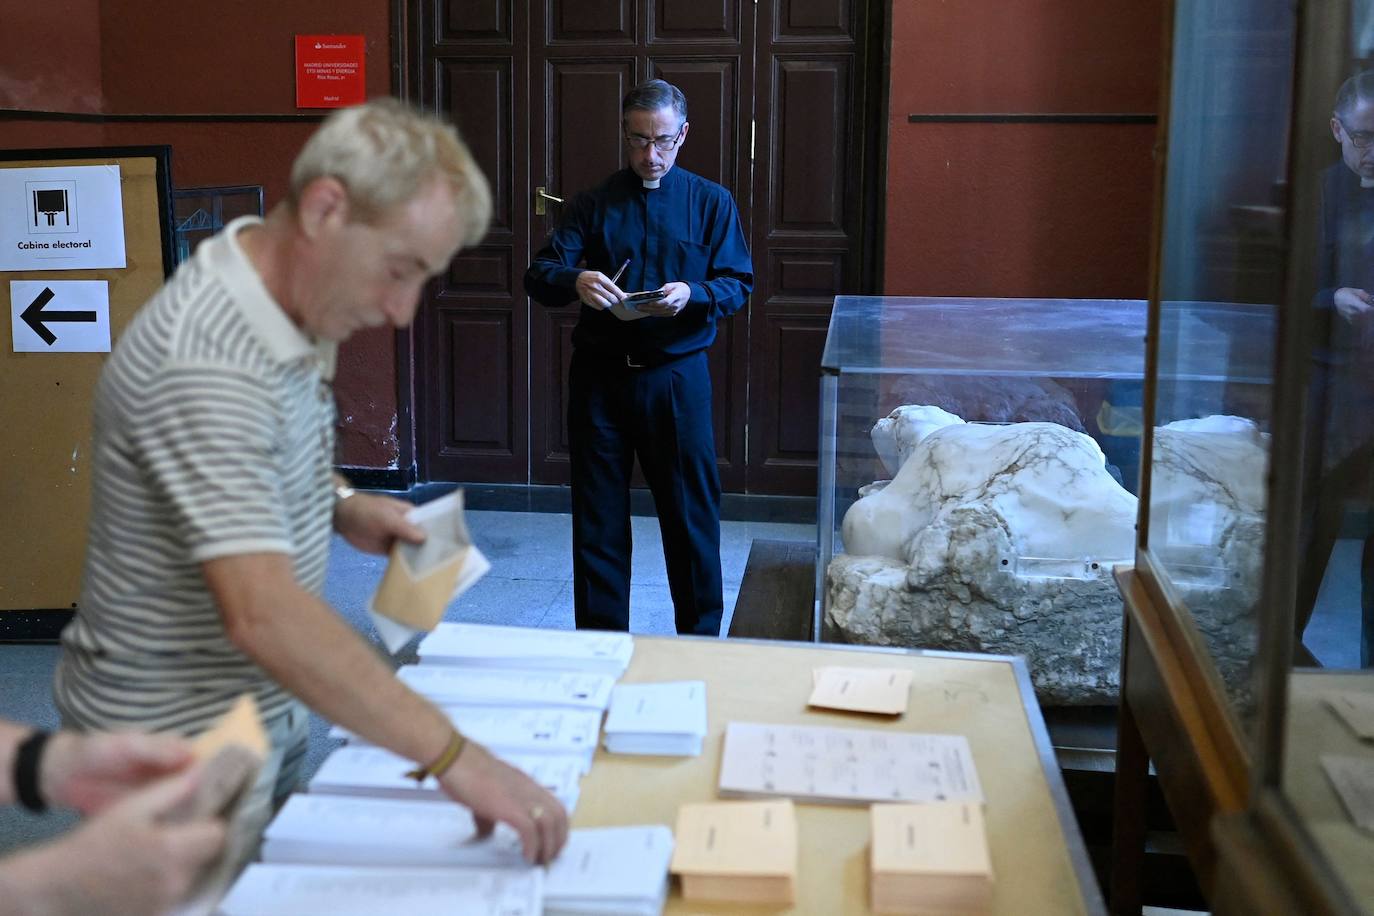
{"points": [[60, 316]]}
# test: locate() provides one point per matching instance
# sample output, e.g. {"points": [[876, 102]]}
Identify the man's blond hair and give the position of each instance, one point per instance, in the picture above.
{"points": [[383, 152]]}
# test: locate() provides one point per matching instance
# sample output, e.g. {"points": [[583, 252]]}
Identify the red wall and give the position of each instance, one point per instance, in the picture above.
{"points": [[49, 57], [988, 209], [160, 57]]}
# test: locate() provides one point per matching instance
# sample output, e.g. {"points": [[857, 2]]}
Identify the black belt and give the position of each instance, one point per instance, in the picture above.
{"points": [[640, 361]]}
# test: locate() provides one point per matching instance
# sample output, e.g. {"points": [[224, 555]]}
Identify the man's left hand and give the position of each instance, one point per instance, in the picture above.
{"points": [[675, 296], [372, 523], [90, 772]]}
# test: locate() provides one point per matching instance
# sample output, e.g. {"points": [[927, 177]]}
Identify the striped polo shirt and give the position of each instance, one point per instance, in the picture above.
{"points": [[213, 436]]}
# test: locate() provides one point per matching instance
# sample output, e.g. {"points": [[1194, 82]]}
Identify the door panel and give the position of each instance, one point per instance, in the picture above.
{"points": [[477, 20], [813, 149], [582, 132], [713, 149], [473, 330], [678, 22], [810, 108]]}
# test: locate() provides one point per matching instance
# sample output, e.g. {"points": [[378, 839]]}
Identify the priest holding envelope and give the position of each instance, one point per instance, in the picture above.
{"points": [[639, 384], [213, 500]]}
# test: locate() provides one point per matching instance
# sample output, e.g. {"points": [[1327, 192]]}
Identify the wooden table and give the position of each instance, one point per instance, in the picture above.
{"points": [[1041, 868]]}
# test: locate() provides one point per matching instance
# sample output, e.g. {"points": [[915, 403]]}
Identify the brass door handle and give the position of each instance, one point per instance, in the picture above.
{"points": [[541, 195]]}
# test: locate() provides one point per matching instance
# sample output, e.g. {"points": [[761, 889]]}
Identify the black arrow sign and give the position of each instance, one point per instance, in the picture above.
{"points": [[35, 317]]}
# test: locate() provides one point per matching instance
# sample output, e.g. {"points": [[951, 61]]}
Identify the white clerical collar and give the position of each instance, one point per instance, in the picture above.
{"points": [[652, 183], [1367, 182]]}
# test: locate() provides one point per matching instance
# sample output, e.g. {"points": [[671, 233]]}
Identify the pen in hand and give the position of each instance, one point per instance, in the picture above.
{"points": [[616, 278]]}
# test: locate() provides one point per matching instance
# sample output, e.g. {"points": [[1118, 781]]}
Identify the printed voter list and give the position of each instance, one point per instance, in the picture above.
{"points": [[61, 218]]}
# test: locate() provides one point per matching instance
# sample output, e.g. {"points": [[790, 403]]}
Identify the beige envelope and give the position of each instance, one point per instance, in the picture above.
{"points": [[420, 581], [415, 601]]}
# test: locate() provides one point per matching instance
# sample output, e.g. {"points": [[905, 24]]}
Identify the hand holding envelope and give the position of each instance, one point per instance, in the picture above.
{"points": [[421, 579]]}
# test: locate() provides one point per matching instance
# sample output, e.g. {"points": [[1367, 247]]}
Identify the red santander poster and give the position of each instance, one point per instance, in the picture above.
{"points": [[329, 71]]}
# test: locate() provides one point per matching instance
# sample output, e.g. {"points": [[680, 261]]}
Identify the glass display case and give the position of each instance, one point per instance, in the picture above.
{"points": [[979, 464], [1251, 706]]}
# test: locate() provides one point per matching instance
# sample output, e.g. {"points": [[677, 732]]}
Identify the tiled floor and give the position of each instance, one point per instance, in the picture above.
{"points": [[530, 584]]}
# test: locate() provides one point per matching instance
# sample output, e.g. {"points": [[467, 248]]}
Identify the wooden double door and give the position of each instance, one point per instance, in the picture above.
{"points": [[783, 101]]}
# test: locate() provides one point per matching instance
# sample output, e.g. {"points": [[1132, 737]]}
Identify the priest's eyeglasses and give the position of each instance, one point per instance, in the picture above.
{"points": [[663, 144], [1360, 139]]}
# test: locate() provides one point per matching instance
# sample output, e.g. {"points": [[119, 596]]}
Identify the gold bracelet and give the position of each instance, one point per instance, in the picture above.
{"points": [[440, 766]]}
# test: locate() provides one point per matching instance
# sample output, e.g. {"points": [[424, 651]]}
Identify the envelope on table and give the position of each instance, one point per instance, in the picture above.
{"points": [[420, 580]]}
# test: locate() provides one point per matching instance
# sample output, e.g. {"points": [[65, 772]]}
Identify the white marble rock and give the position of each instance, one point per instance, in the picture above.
{"points": [[1207, 513], [986, 538]]}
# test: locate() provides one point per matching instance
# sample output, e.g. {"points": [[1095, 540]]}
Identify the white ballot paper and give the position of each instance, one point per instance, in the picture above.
{"points": [[455, 686], [421, 579], [521, 730], [610, 871], [1356, 710], [343, 830], [340, 890], [376, 772], [1353, 779], [482, 645], [667, 718], [844, 765]]}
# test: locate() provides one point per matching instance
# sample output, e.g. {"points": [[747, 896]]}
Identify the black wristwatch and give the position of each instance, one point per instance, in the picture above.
{"points": [[27, 759]]}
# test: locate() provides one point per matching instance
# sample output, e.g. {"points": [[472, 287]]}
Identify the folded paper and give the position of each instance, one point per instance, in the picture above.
{"points": [[421, 579]]}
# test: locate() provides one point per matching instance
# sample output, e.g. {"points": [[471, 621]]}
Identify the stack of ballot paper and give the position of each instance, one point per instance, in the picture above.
{"points": [[421, 579], [479, 645], [448, 685], [521, 729], [737, 852], [846, 765], [610, 871], [342, 830], [342, 890], [1355, 709], [1353, 780], [667, 718], [875, 690], [378, 773], [930, 860]]}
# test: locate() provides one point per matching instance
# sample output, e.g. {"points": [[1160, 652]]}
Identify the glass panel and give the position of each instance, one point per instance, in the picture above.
{"points": [[1220, 281], [979, 459], [1331, 690]]}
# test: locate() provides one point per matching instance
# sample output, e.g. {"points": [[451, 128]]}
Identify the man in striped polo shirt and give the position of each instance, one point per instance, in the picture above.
{"points": [[213, 494]]}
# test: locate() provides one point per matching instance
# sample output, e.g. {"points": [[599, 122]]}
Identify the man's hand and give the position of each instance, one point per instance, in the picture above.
{"points": [[596, 289], [1351, 302], [371, 523], [90, 772], [125, 861], [497, 791], [675, 296]]}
